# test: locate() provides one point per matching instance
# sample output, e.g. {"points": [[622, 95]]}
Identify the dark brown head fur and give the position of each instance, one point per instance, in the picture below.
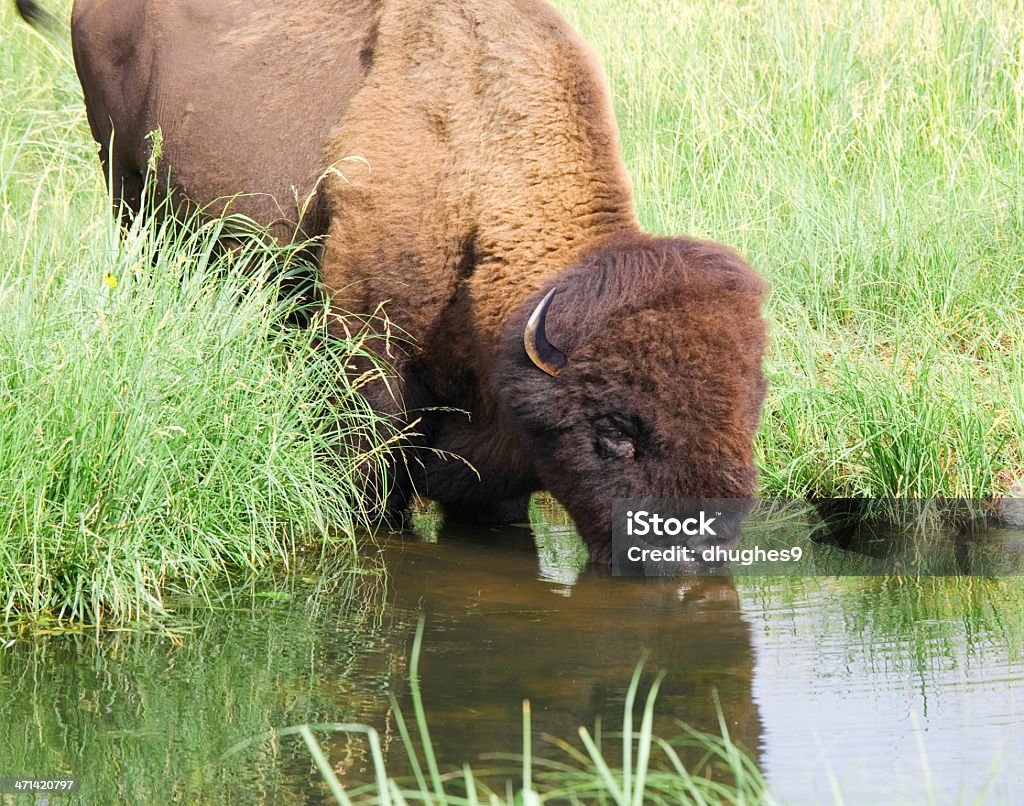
{"points": [[663, 387]]}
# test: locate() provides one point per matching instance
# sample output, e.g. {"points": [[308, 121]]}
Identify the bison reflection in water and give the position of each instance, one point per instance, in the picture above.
{"points": [[472, 182], [496, 635]]}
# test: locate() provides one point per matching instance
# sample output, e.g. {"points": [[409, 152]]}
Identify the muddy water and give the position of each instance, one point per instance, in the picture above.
{"points": [[884, 688]]}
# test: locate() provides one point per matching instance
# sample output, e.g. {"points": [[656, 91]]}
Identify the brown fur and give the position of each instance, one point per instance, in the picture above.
{"points": [[662, 334], [244, 93], [474, 164]]}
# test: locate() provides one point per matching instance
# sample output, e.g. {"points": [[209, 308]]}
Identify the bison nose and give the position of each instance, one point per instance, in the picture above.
{"points": [[724, 540], [726, 532]]}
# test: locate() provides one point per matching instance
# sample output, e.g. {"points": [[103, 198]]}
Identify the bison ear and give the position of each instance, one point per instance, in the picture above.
{"points": [[541, 351]]}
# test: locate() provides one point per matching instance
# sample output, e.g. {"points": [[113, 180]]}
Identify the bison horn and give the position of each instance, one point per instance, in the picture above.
{"points": [[541, 352]]}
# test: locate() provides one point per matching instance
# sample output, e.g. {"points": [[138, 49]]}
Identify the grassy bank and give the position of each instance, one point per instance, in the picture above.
{"points": [[158, 424], [868, 158], [155, 423]]}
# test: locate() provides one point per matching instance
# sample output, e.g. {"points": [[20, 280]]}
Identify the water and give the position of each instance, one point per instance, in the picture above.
{"points": [[885, 688]]}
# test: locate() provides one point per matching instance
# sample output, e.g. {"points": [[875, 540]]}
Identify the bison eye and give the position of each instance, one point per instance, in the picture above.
{"points": [[616, 437], [612, 448]]}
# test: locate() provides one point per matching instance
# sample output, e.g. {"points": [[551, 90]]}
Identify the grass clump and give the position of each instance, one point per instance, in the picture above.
{"points": [[635, 768], [158, 423]]}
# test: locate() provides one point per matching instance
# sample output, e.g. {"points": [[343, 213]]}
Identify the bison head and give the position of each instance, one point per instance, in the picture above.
{"points": [[636, 373]]}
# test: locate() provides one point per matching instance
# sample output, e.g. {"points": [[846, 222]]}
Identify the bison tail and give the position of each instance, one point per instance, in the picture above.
{"points": [[37, 16]]}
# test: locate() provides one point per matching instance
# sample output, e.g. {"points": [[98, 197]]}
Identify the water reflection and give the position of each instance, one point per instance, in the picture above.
{"points": [[138, 718], [890, 690], [496, 634], [817, 676]]}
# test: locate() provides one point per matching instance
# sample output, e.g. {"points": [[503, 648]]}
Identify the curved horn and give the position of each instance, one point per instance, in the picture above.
{"points": [[540, 350]]}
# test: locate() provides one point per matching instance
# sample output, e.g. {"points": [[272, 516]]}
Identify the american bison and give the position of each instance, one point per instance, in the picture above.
{"points": [[459, 160]]}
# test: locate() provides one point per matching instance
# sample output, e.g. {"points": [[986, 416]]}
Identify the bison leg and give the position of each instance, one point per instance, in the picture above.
{"points": [[385, 443], [385, 488], [489, 513], [126, 194]]}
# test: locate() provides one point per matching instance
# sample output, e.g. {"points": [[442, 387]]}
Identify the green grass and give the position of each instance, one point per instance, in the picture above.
{"points": [[630, 768], [158, 423], [868, 158], [139, 719]]}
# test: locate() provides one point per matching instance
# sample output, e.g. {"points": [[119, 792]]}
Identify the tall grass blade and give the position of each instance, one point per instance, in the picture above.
{"points": [[421, 718], [324, 766], [643, 752]]}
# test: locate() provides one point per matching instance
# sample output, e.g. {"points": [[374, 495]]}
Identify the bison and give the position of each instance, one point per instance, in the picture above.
{"points": [[459, 162]]}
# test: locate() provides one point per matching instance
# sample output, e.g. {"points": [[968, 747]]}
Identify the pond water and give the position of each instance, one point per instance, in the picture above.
{"points": [[883, 688]]}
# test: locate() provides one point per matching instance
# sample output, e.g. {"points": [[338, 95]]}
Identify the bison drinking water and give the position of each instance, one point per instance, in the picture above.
{"points": [[459, 161]]}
